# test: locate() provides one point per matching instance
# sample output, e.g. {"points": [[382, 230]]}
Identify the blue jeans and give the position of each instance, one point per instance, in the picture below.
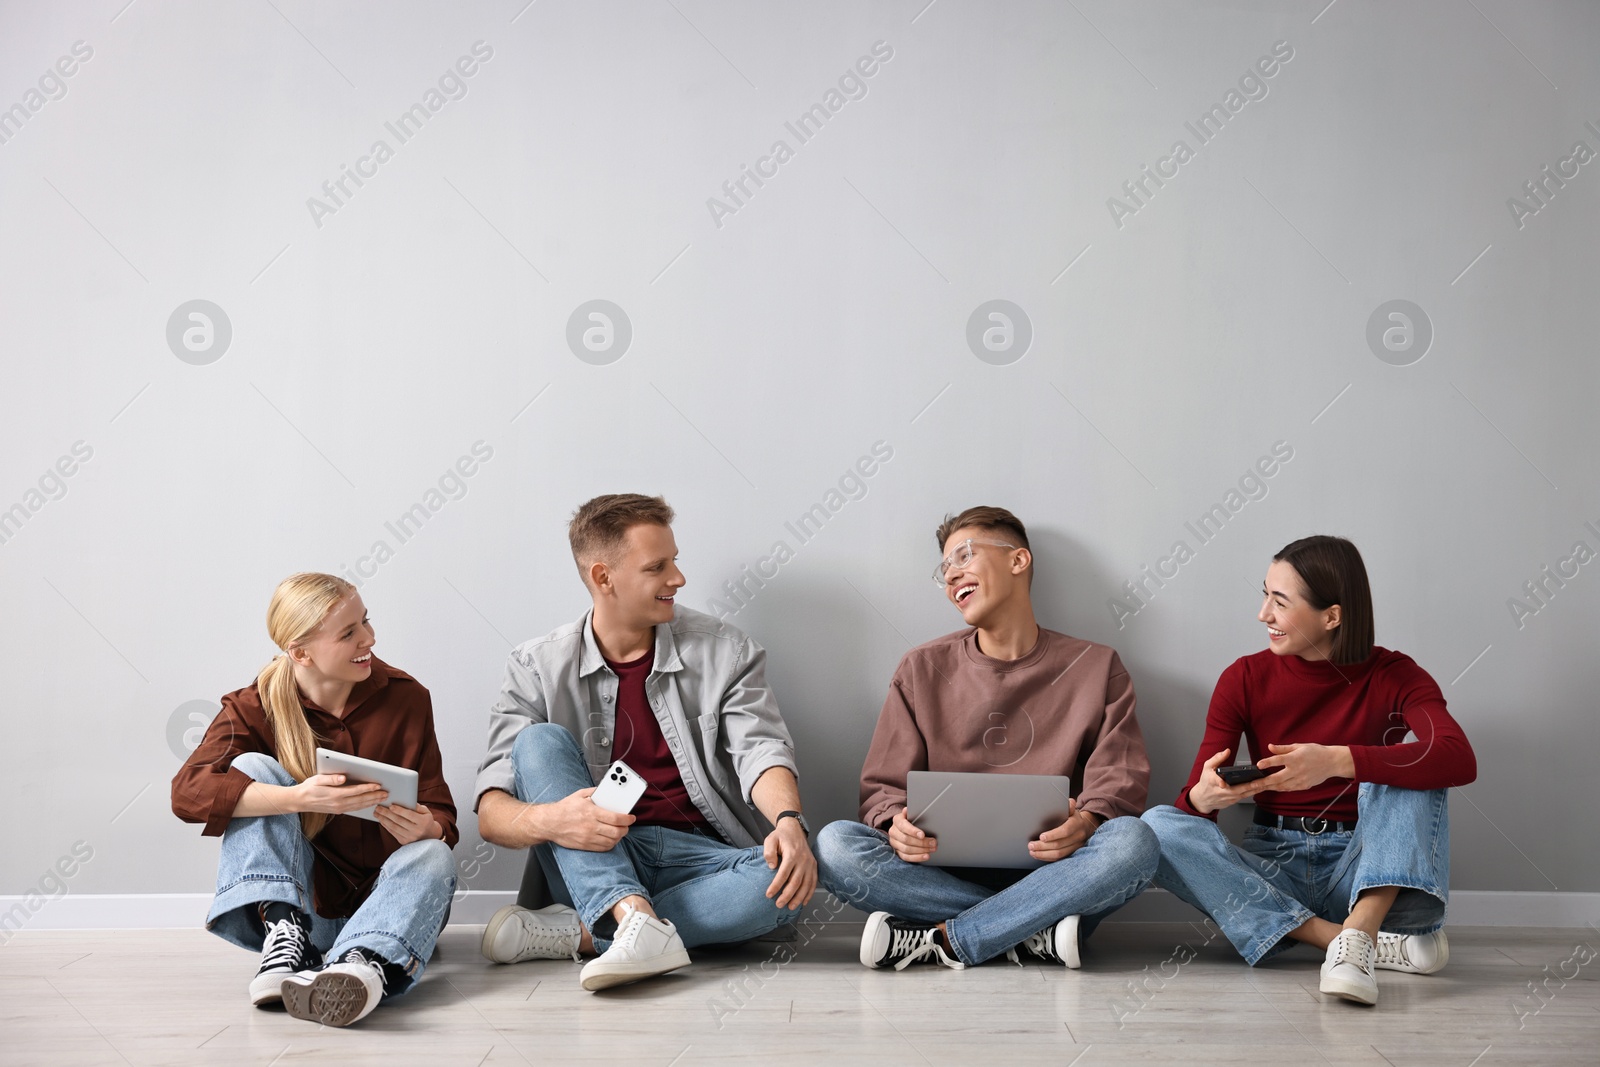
{"points": [[266, 858], [711, 891], [983, 920], [1276, 880]]}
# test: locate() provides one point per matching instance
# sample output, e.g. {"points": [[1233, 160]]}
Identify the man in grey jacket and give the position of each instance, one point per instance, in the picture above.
{"points": [[716, 850]]}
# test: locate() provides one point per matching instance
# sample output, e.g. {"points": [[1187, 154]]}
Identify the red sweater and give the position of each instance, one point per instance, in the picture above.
{"points": [[1369, 706]]}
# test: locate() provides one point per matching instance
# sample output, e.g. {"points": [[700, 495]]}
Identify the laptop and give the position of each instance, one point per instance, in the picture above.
{"points": [[986, 820]]}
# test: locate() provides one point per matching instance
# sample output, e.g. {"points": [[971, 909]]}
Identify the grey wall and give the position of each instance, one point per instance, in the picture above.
{"points": [[1173, 343]]}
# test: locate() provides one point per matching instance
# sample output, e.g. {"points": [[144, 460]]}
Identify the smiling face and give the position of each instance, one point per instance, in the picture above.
{"points": [[339, 650], [1294, 626], [991, 582], [643, 579]]}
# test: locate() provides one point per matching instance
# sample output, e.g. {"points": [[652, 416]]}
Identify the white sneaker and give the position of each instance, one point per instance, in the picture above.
{"points": [[1347, 970], [644, 946], [890, 941], [1413, 953], [339, 994], [286, 950], [1053, 944], [515, 934]]}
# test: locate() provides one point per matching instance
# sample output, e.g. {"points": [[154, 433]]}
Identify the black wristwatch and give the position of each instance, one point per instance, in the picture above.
{"points": [[805, 828]]}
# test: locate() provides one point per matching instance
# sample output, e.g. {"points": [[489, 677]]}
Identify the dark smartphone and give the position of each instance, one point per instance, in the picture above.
{"points": [[1242, 773]]}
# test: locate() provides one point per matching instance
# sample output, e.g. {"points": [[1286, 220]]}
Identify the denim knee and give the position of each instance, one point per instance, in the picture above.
{"points": [[1164, 818], [429, 859], [844, 849], [262, 768], [539, 740], [1135, 845]]}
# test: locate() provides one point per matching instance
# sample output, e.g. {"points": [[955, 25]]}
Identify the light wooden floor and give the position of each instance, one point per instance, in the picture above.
{"points": [[159, 997]]}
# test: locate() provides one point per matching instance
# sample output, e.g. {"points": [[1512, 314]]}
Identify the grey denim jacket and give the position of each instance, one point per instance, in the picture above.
{"points": [[709, 692]]}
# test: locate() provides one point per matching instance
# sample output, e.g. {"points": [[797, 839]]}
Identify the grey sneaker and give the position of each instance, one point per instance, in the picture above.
{"points": [[1413, 953], [515, 934]]}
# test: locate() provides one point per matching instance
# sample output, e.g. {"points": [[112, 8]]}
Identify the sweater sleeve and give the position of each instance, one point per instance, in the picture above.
{"points": [[206, 788], [1116, 776], [1440, 757], [1225, 720], [897, 748]]}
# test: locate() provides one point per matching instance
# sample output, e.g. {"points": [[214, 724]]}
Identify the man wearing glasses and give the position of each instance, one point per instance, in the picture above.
{"points": [[1009, 697]]}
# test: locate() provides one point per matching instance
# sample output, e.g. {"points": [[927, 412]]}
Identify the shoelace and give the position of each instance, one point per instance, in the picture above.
{"points": [[628, 932], [1041, 944], [918, 944], [355, 955], [1392, 950], [546, 940], [1360, 956], [286, 945]]}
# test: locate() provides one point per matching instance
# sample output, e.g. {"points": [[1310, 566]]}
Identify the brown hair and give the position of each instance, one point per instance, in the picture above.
{"points": [[599, 526], [992, 519], [984, 517], [1333, 573], [298, 606]]}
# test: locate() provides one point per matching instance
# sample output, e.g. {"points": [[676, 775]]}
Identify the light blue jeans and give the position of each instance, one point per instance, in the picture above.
{"points": [[984, 919], [1275, 880], [711, 891], [266, 858]]}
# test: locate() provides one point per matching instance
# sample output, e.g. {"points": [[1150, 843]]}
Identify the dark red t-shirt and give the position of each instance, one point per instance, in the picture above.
{"points": [[637, 741]]}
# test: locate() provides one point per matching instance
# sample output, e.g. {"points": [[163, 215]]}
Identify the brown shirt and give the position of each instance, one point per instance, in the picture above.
{"points": [[1066, 707], [389, 718]]}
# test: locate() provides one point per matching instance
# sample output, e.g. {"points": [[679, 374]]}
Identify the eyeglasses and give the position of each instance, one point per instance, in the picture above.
{"points": [[960, 556]]}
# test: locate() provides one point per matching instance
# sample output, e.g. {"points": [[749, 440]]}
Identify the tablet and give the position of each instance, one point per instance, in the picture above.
{"points": [[401, 782], [985, 820]]}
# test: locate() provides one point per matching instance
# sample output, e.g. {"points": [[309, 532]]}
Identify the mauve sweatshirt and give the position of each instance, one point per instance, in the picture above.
{"points": [[1066, 707]]}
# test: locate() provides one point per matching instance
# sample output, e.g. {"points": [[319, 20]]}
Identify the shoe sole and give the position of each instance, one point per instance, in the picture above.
{"points": [[266, 990], [1349, 991], [870, 952], [330, 999], [490, 932], [1071, 954], [595, 980]]}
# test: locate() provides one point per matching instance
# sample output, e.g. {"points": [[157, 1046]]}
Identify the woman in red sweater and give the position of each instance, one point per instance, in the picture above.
{"points": [[1349, 850]]}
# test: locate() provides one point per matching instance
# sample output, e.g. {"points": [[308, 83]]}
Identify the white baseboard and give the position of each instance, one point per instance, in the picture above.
{"points": [[169, 911]]}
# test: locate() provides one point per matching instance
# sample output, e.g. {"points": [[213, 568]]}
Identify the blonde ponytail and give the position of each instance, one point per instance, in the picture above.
{"points": [[299, 605]]}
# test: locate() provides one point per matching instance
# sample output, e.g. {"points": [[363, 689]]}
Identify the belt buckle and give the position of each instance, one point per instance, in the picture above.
{"points": [[1322, 826]]}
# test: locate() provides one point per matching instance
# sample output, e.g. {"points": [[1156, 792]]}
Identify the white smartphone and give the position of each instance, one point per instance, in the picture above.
{"points": [[620, 789]]}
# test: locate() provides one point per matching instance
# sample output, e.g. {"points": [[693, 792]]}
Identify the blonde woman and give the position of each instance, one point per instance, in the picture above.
{"points": [[343, 910]]}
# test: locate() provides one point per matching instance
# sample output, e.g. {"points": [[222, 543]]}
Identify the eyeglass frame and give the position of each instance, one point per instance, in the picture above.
{"points": [[967, 543]]}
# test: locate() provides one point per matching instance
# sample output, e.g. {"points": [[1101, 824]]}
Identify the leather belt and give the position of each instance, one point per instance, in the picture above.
{"points": [[1296, 822]]}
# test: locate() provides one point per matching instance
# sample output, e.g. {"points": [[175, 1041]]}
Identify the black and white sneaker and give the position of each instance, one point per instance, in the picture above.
{"points": [[339, 994], [287, 949], [1060, 943], [890, 941]]}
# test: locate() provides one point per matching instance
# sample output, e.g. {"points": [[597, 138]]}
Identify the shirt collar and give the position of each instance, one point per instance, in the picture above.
{"points": [[360, 693], [591, 660]]}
